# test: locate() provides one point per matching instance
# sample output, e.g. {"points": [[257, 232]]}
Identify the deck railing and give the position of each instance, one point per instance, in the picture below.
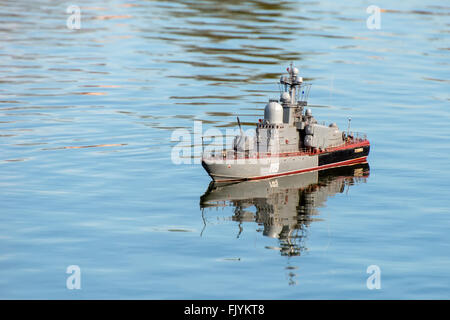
{"points": [[224, 153], [356, 136]]}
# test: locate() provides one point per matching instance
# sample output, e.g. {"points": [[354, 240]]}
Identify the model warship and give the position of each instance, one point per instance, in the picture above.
{"points": [[289, 140]]}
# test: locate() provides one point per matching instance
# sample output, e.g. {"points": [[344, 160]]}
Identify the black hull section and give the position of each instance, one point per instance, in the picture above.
{"points": [[343, 155]]}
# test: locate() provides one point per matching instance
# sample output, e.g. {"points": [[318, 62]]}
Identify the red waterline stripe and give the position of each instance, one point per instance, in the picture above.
{"points": [[331, 165]]}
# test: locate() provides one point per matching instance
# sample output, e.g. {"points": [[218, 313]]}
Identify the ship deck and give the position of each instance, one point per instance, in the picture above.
{"points": [[229, 154]]}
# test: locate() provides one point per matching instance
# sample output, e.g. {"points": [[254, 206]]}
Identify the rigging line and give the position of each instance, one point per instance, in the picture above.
{"points": [[204, 222]]}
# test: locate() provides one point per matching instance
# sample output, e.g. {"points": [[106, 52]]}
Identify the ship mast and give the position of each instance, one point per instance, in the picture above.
{"points": [[290, 84]]}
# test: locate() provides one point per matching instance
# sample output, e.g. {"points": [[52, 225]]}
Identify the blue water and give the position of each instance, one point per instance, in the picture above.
{"points": [[86, 123]]}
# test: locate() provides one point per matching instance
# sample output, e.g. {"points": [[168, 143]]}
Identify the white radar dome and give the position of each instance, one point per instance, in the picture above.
{"points": [[273, 113], [285, 97]]}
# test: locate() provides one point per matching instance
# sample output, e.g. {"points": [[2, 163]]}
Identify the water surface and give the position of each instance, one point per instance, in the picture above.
{"points": [[86, 123]]}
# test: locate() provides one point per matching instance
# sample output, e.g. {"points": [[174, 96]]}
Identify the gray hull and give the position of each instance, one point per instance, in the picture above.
{"points": [[248, 169], [252, 168]]}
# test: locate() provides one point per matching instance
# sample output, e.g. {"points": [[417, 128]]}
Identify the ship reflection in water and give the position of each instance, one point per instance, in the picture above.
{"points": [[283, 206]]}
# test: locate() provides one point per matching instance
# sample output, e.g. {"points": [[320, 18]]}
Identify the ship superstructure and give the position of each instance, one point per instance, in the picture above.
{"points": [[288, 140]]}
